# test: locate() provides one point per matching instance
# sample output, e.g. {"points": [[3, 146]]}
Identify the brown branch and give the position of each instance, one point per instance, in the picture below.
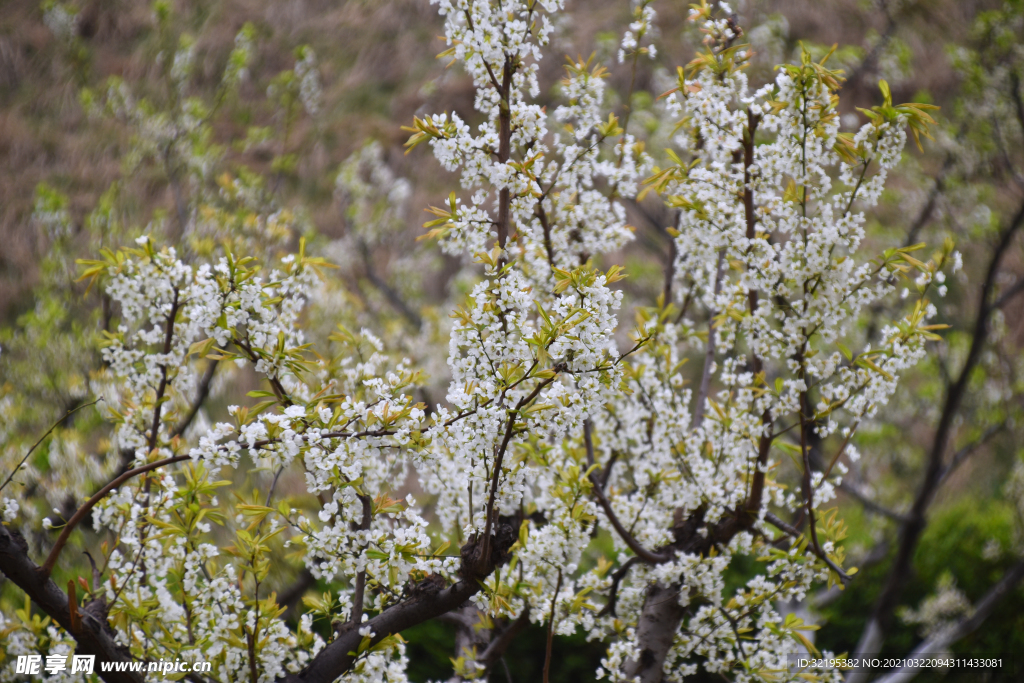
{"points": [[393, 297], [655, 633], [158, 404], [504, 147], [670, 272], [709, 352], [869, 62], [613, 590], [499, 645], [175, 181], [839, 453], [1018, 103], [495, 475], [795, 533], [877, 553], [360, 587], [757, 486], [472, 634], [551, 629], [929, 206], [962, 454], [51, 559], [93, 635], [275, 382], [870, 504], [542, 215], [606, 473], [748, 161], [250, 639], [427, 600], [1006, 296], [805, 455], [750, 216], [631, 542], [290, 596], [204, 392], [656, 224]]}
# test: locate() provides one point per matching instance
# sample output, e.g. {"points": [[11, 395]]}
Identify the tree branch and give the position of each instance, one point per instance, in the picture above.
{"points": [[709, 352], [613, 591], [634, 545], [498, 646], [426, 601], [290, 596], [360, 587], [655, 633], [202, 395], [795, 533], [93, 635], [551, 629], [961, 455], [389, 293], [158, 404], [870, 504], [1006, 296], [51, 559], [504, 147], [869, 62], [496, 474], [929, 206]]}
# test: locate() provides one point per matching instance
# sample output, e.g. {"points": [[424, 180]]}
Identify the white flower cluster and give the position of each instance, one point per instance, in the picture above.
{"points": [[167, 306], [940, 610], [643, 24], [553, 181], [310, 91], [514, 370], [61, 20]]}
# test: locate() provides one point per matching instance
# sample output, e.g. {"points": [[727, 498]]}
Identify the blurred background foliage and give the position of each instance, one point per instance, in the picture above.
{"points": [[304, 141]]}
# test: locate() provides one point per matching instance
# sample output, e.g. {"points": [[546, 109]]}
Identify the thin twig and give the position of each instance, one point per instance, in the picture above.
{"points": [[80, 514], [492, 495], [1006, 296], [613, 590], [203, 393], [795, 533], [551, 628], [962, 454], [158, 404], [634, 545], [42, 438], [870, 504], [389, 292], [709, 352], [496, 649], [360, 587]]}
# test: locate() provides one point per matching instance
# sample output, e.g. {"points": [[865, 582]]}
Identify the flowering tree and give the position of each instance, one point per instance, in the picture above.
{"points": [[575, 476]]}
